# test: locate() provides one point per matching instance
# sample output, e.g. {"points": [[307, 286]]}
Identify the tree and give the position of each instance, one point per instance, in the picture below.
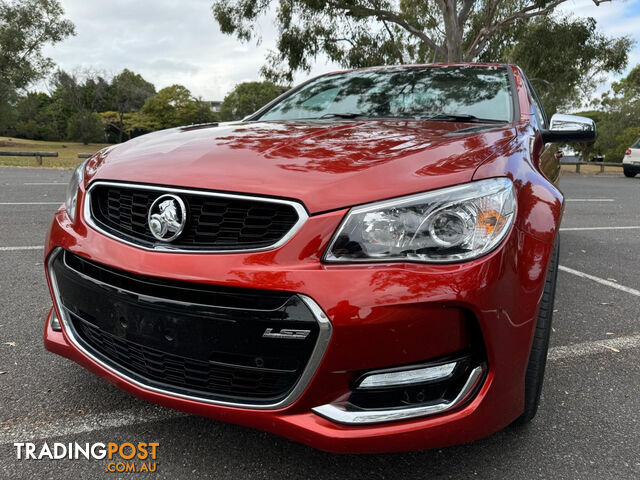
{"points": [[32, 117], [360, 33], [565, 58], [26, 26], [83, 95], [618, 117], [131, 124], [174, 106], [85, 127], [127, 93], [247, 98]]}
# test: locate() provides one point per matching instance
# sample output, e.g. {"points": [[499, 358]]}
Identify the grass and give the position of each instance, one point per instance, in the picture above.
{"points": [[67, 152], [592, 169]]}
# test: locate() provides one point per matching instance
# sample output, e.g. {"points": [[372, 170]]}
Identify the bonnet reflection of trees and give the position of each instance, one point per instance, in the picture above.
{"points": [[344, 148], [339, 147], [395, 91], [355, 146], [530, 212], [279, 279], [408, 286]]}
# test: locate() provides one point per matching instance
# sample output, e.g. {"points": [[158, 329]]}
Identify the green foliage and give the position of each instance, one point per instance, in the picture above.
{"points": [[622, 107], [85, 127], [81, 96], [83, 91], [26, 26], [130, 124], [174, 106], [617, 119], [129, 91], [360, 33], [347, 32], [33, 120], [7, 117], [565, 58], [126, 94], [623, 141], [38, 116], [128, 107], [247, 98]]}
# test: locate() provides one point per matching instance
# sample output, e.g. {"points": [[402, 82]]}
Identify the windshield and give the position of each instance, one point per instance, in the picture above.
{"points": [[449, 93], [637, 144]]}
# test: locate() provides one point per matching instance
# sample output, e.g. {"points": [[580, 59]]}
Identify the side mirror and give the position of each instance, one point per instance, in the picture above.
{"points": [[569, 129]]}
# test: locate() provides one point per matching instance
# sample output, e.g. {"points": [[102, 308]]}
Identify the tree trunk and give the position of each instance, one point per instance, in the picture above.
{"points": [[121, 126], [452, 31]]}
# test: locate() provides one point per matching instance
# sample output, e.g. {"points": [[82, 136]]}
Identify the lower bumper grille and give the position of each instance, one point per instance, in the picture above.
{"points": [[201, 341], [190, 373]]}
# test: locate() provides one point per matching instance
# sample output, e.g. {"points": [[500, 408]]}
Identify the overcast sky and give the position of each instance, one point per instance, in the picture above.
{"points": [[169, 41]]}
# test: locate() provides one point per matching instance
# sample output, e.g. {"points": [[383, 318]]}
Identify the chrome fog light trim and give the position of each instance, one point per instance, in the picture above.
{"points": [[55, 322], [347, 414], [407, 377]]}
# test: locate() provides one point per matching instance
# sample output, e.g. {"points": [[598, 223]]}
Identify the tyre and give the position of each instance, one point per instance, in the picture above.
{"points": [[628, 173], [538, 356]]}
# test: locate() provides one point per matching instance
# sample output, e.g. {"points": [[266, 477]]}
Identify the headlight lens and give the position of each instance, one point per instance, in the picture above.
{"points": [[451, 224], [72, 191]]}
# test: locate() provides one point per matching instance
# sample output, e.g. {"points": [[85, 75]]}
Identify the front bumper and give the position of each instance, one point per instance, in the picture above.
{"points": [[381, 316]]}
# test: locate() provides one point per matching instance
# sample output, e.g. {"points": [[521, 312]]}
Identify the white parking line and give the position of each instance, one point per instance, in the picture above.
{"points": [[14, 249], [593, 348], [30, 430], [589, 200], [578, 229], [31, 203], [599, 280], [35, 429]]}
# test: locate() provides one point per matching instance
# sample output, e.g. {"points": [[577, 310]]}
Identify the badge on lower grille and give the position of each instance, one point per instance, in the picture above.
{"points": [[286, 333], [167, 217]]}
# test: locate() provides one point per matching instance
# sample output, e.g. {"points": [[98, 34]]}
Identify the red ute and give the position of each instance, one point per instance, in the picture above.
{"points": [[366, 264]]}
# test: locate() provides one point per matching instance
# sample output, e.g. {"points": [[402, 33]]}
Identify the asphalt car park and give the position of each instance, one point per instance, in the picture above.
{"points": [[587, 426]]}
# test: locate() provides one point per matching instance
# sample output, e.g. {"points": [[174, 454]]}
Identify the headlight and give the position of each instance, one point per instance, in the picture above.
{"points": [[446, 225], [72, 191]]}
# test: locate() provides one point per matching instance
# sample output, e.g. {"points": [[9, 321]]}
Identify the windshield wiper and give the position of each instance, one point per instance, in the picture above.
{"points": [[342, 115], [461, 117]]}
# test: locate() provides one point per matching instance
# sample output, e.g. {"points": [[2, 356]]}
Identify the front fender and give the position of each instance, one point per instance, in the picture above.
{"points": [[540, 202]]}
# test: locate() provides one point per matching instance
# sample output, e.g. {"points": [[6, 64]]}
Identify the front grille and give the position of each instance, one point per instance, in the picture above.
{"points": [[215, 221], [192, 339]]}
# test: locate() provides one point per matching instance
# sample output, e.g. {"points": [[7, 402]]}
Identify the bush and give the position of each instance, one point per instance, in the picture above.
{"points": [[85, 127], [247, 98]]}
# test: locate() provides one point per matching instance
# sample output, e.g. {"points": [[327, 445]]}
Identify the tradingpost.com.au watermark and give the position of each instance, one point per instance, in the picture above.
{"points": [[120, 457]]}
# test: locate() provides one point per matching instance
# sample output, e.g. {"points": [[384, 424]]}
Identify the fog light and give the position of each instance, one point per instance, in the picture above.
{"points": [[55, 323], [407, 377]]}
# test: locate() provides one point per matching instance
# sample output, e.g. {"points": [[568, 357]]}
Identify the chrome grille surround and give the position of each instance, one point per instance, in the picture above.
{"points": [[168, 247]]}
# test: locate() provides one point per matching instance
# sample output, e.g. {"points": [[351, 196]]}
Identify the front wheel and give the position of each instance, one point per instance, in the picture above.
{"points": [[628, 173], [540, 346]]}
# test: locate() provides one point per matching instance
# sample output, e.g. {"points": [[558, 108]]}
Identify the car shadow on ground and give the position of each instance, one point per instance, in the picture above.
{"points": [[216, 447]]}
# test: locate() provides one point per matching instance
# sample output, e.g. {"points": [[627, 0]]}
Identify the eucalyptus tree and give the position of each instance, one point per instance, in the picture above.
{"points": [[368, 32]]}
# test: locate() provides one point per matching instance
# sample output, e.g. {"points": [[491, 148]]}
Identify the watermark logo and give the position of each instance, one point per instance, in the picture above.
{"points": [[120, 457]]}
